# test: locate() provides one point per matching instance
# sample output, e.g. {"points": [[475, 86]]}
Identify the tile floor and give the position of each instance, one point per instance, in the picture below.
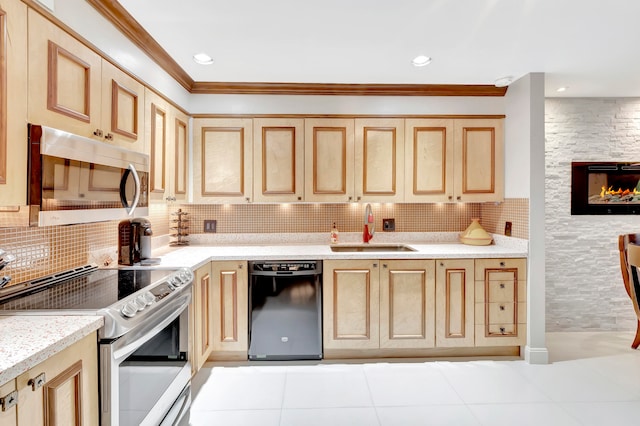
{"points": [[593, 379]]}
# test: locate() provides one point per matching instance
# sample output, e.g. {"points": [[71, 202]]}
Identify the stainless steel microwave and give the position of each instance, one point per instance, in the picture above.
{"points": [[73, 179]]}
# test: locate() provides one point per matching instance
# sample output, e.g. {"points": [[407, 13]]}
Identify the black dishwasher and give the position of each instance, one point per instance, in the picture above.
{"points": [[285, 310]]}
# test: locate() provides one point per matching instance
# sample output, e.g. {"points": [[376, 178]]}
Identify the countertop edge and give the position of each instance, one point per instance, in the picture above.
{"points": [[36, 352]]}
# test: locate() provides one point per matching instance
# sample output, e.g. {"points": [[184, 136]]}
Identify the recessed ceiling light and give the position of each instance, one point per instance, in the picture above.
{"points": [[562, 89], [503, 81], [202, 59], [421, 61]]}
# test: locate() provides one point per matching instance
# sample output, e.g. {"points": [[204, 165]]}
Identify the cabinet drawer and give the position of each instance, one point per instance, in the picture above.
{"points": [[501, 313], [520, 265], [501, 335], [501, 291]]}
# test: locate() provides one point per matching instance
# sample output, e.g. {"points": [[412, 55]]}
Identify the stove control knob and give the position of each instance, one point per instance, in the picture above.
{"points": [[186, 275], [129, 309], [149, 298], [140, 302]]}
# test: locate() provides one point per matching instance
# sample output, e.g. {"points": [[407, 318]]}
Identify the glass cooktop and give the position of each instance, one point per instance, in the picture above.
{"points": [[94, 290]]}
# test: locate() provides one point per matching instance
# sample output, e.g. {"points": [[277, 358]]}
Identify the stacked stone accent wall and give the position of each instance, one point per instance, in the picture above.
{"points": [[584, 289]]}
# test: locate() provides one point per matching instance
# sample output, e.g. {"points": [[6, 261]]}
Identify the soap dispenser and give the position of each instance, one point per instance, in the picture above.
{"points": [[334, 234]]}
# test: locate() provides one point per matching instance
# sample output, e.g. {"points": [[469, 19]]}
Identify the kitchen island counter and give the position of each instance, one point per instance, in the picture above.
{"points": [[28, 340]]}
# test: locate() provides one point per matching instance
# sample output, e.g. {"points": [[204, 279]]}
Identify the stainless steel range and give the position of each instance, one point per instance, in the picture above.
{"points": [[145, 367]]}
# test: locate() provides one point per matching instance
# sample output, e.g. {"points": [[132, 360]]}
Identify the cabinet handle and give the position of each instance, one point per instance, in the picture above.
{"points": [[109, 136], [98, 133], [502, 307], [502, 264], [299, 198], [37, 381], [359, 198], [501, 285], [384, 265], [459, 198], [350, 198], [375, 265], [502, 330], [247, 199], [450, 197], [240, 266], [441, 263], [9, 400], [170, 198]]}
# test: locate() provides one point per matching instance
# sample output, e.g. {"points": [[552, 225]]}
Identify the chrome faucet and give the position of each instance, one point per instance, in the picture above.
{"points": [[369, 225]]}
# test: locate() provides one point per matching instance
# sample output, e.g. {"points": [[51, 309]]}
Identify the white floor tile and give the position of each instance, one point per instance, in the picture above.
{"points": [[238, 388], [329, 416], [235, 418], [489, 382], [326, 386], [436, 415], [605, 413], [534, 414], [409, 384]]}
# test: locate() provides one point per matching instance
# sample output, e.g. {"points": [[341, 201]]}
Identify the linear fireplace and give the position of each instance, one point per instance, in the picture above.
{"points": [[605, 188]]}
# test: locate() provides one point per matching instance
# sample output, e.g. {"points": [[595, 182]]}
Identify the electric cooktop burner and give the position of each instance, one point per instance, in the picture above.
{"points": [[95, 290]]}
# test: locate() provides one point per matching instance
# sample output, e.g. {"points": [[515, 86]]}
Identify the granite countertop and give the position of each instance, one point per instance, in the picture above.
{"points": [[204, 248], [27, 340]]}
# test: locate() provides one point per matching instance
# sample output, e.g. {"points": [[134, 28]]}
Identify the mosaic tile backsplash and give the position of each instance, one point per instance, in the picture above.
{"points": [[47, 250]]}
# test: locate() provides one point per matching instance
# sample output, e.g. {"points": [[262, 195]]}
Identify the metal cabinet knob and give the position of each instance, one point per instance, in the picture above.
{"points": [[109, 136], [98, 133], [501, 285]]}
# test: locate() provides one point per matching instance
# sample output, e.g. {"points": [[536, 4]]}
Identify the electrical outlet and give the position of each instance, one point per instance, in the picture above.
{"points": [[388, 224], [210, 225]]}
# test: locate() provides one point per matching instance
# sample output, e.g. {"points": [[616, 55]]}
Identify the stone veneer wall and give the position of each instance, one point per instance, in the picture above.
{"points": [[584, 289]]}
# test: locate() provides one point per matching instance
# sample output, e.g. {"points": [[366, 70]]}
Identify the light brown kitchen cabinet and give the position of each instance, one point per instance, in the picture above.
{"points": [[157, 121], [178, 164], [455, 303], [379, 160], [203, 316], [429, 160], [72, 88], [222, 158], [479, 160], [500, 308], [454, 160], [351, 304], [63, 390], [278, 153], [407, 304], [329, 159], [13, 103], [230, 310], [8, 404]]}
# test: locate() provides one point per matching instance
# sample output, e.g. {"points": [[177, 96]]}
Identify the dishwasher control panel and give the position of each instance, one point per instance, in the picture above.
{"points": [[286, 267]]}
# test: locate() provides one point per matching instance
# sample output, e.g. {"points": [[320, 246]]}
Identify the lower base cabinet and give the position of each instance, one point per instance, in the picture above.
{"points": [[416, 307], [229, 313], [63, 390], [202, 323]]}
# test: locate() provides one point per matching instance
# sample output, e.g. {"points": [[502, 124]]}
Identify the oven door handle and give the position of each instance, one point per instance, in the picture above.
{"points": [[123, 347], [123, 187]]}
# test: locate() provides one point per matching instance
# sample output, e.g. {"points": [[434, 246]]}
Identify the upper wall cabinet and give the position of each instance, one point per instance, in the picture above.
{"points": [[329, 156], [278, 157], [157, 132], [379, 160], [13, 93], [72, 88], [222, 158], [454, 160], [178, 163], [479, 155]]}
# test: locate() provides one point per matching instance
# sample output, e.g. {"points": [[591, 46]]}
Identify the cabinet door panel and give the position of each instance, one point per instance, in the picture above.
{"points": [[222, 157], [479, 155], [407, 304], [203, 316], [429, 160], [351, 305], [13, 103], [379, 160], [157, 180], [122, 108], [230, 304], [65, 79], [180, 164], [329, 151], [454, 303], [278, 150]]}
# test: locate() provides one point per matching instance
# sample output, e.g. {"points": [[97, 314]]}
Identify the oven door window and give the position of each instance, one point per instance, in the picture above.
{"points": [[152, 374]]}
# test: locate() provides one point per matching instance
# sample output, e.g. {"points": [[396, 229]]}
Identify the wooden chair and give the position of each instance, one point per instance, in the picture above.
{"points": [[630, 267]]}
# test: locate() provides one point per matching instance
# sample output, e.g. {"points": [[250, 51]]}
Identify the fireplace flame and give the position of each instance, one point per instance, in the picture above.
{"points": [[620, 192]]}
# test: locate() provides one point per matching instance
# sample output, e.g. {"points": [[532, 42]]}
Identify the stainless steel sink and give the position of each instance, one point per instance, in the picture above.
{"points": [[371, 247]]}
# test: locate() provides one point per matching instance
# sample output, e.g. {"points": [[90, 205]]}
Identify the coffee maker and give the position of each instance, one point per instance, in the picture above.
{"points": [[134, 241]]}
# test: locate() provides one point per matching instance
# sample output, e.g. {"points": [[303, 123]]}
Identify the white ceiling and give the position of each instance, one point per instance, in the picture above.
{"points": [[591, 46]]}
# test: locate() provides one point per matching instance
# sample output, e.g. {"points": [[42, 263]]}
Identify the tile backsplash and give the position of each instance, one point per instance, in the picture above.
{"points": [[47, 250]]}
